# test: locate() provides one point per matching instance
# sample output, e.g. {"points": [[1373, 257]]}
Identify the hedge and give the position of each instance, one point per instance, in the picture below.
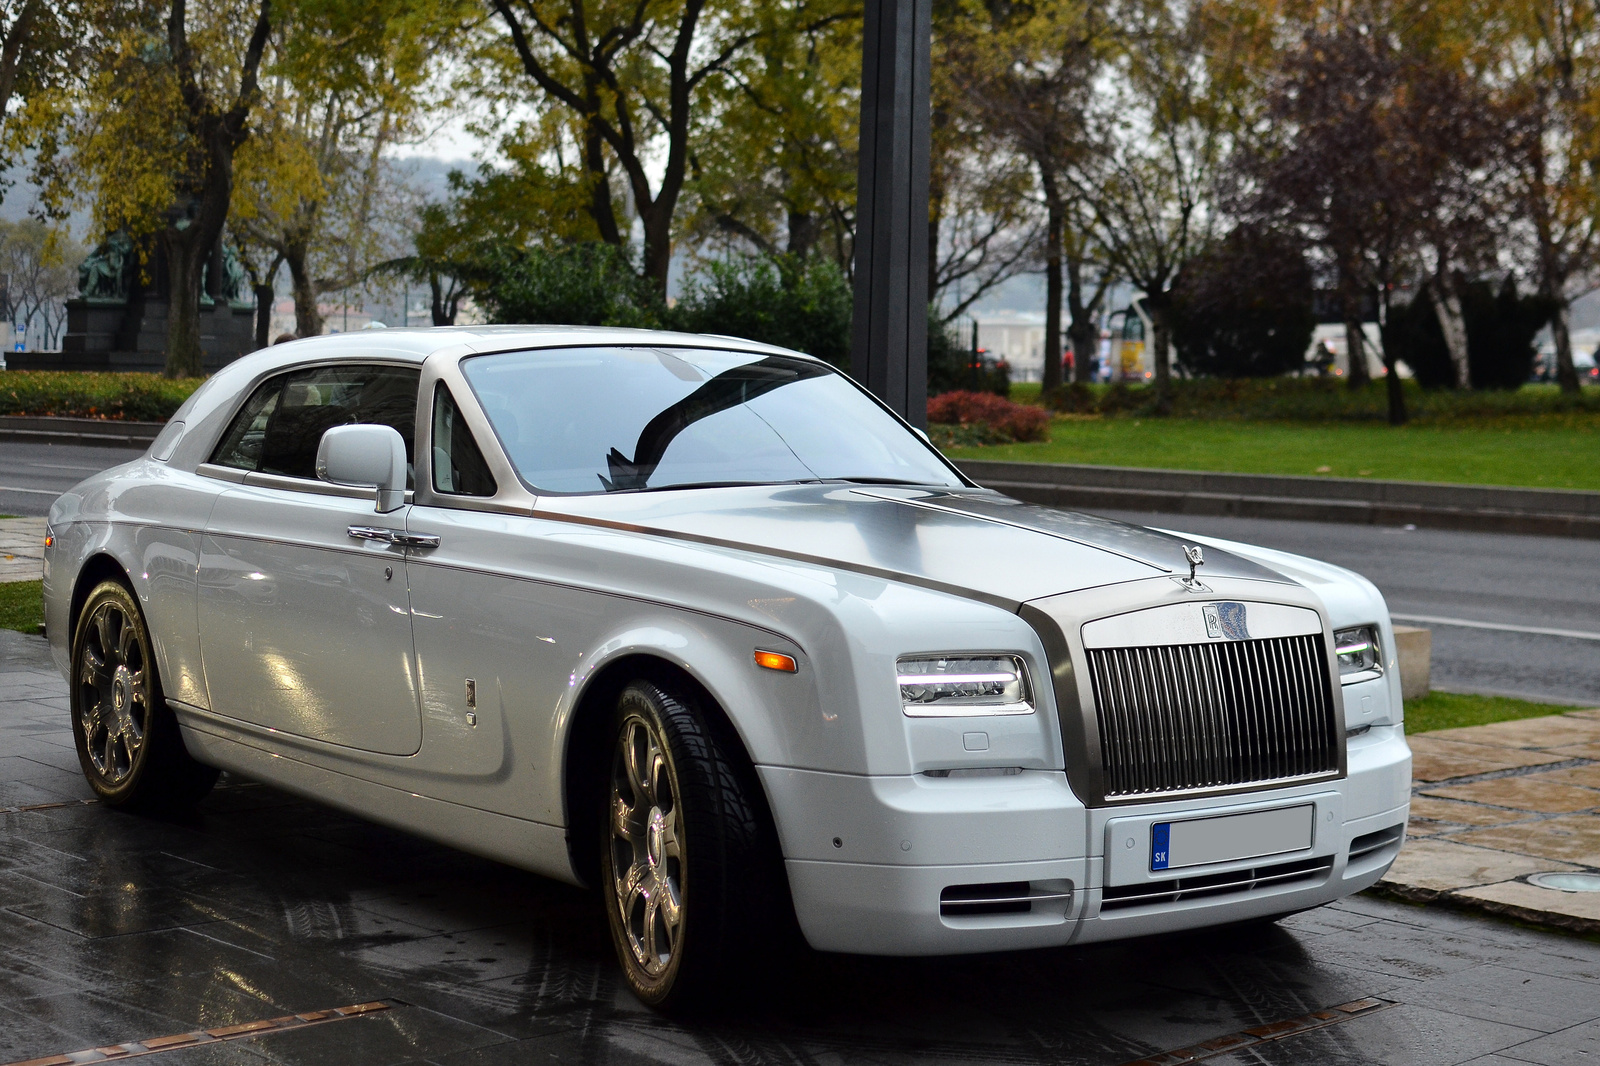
{"points": [[69, 394]]}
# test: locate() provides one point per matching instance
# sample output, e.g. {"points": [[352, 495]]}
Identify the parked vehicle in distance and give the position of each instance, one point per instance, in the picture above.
{"points": [[1583, 361], [702, 624]]}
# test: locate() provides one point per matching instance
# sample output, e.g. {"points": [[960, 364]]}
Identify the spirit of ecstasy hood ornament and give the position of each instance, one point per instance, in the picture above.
{"points": [[1196, 559]]}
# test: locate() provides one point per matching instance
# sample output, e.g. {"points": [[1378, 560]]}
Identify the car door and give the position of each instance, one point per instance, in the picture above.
{"points": [[304, 614], [490, 672]]}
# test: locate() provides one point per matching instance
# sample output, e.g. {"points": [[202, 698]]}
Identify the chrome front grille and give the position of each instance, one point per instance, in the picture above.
{"points": [[1196, 717]]}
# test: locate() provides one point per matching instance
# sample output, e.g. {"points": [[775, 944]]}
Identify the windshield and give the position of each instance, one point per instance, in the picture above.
{"points": [[619, 419]]}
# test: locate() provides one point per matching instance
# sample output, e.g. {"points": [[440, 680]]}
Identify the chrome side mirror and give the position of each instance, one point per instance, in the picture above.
{"points": [[366, 456]]}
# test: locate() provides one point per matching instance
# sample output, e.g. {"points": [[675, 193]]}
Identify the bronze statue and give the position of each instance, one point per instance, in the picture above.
{"points": [[104, 274]]}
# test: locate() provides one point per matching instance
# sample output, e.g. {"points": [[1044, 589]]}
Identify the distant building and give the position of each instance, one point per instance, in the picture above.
{"points": [[1017, 337]]}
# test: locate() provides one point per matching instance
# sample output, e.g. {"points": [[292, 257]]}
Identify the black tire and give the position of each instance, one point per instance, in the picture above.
{"points": [[128, 741], [690, 836]]}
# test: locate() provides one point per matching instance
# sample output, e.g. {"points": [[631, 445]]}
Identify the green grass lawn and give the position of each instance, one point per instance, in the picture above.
{"points": [[1448, 710], [1563, 455], [22, 605]]}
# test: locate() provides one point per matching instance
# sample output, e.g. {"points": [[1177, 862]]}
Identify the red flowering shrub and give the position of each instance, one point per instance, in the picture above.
{"points": [[1009, 421]]}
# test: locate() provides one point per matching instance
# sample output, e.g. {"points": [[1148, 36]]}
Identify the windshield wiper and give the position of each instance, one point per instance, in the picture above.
{"points": [[719, 484], [878, 481]]}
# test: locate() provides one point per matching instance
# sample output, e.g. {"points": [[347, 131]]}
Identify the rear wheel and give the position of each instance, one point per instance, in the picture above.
{"points": [[128, 741], [687, 859]]}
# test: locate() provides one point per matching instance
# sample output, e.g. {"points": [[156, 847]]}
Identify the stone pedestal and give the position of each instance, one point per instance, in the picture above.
{"points": [[1415, 646], [132, 335]]}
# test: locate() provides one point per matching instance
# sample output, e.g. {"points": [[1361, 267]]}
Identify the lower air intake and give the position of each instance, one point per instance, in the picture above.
{"points": [[1004, 897], [1235, 883]]}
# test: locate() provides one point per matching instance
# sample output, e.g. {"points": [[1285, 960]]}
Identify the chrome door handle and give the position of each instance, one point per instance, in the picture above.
{"points": [[391, 536], [416, 540]]}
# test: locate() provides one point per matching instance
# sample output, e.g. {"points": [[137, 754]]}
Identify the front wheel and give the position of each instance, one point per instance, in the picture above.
{"points": [[128, 741], [687, 858]]}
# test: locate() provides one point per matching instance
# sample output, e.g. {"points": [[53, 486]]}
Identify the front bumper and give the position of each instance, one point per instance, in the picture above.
{"points": [[872, 860]]}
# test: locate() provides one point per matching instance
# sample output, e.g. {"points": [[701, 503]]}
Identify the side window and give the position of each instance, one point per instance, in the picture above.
{"points": [[241, 445], [458, 466], [278, 429]]}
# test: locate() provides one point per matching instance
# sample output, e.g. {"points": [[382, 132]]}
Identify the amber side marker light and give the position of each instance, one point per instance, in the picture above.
{"points": [[48, 541], [776, 660]]}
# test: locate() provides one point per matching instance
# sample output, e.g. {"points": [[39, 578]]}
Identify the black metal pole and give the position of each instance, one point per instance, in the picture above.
{"points": [[889, 332]]}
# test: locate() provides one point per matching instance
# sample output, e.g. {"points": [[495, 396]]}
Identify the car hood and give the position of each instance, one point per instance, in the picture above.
{"points": [[973, 542]]}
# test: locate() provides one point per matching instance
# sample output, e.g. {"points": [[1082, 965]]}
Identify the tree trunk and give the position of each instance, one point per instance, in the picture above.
{"points": [[264, 299], [436, 291], [1447, 307], [1081, 332], [307, 315], [266, 291], [657, 219], [804, 228], [1355, 341], [1393, 387], [600, 207], [186, 259], [217, 135], [1355, 344], [1052, 291], [1566, 371], [1395, 391], [1158, 306], [11, 53]]}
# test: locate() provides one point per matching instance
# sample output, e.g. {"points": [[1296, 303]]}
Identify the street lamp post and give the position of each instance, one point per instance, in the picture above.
{"points": [[889, 331]]}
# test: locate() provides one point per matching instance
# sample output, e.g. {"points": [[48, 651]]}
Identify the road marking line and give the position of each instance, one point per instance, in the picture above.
{"points": [[244, 1030], [1467, 623], [1267, 1033], [36, 492]]}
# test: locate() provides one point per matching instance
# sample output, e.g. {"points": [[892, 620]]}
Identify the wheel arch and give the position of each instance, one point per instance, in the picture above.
{"points": [[588, 741], [101, 566]]}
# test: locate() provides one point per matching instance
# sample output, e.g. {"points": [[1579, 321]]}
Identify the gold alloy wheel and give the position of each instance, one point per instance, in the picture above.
{"points": [[113, 692], [646, 846]]}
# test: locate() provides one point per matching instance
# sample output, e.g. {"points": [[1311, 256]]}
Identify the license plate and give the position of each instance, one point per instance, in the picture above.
{"points": [[1230, 837]]}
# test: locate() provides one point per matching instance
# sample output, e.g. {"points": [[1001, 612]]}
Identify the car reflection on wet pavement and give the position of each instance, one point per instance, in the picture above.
{"points": [[117, 928]]}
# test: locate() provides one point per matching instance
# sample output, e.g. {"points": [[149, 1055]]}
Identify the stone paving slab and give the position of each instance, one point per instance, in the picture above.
{"points": [[1495, 804], [1435, 759], [21, 549]]}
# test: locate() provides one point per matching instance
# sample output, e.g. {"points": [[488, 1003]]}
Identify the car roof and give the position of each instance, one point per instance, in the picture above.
{"points": [[416, 343], [215, 398]]}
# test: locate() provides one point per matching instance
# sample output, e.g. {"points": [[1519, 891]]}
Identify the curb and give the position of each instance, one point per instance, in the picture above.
{"points": [[1565, 923], [105, 432], [1490, 509]]}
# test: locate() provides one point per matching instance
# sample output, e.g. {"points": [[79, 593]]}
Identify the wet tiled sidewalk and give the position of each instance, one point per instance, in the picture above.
{"points": [[258, 905], [1494, 804], [21, 549]]}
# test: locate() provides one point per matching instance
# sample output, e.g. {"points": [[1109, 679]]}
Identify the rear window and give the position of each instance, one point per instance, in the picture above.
{"points": [[278, 429], [622, 419]]}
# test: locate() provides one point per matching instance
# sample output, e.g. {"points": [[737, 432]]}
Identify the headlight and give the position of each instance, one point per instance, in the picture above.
{"points": [[1360, 654], [937, 686]]}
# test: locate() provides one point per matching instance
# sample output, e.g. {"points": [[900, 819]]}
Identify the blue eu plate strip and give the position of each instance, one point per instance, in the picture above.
{"points": [[1159, 835]]}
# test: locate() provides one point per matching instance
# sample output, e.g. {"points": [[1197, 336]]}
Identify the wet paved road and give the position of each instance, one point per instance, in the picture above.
{"points": [[1491, 578], [115, 927]]}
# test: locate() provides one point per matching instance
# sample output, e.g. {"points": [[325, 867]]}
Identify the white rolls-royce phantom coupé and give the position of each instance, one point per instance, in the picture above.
{"points": [[701, 623]]}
